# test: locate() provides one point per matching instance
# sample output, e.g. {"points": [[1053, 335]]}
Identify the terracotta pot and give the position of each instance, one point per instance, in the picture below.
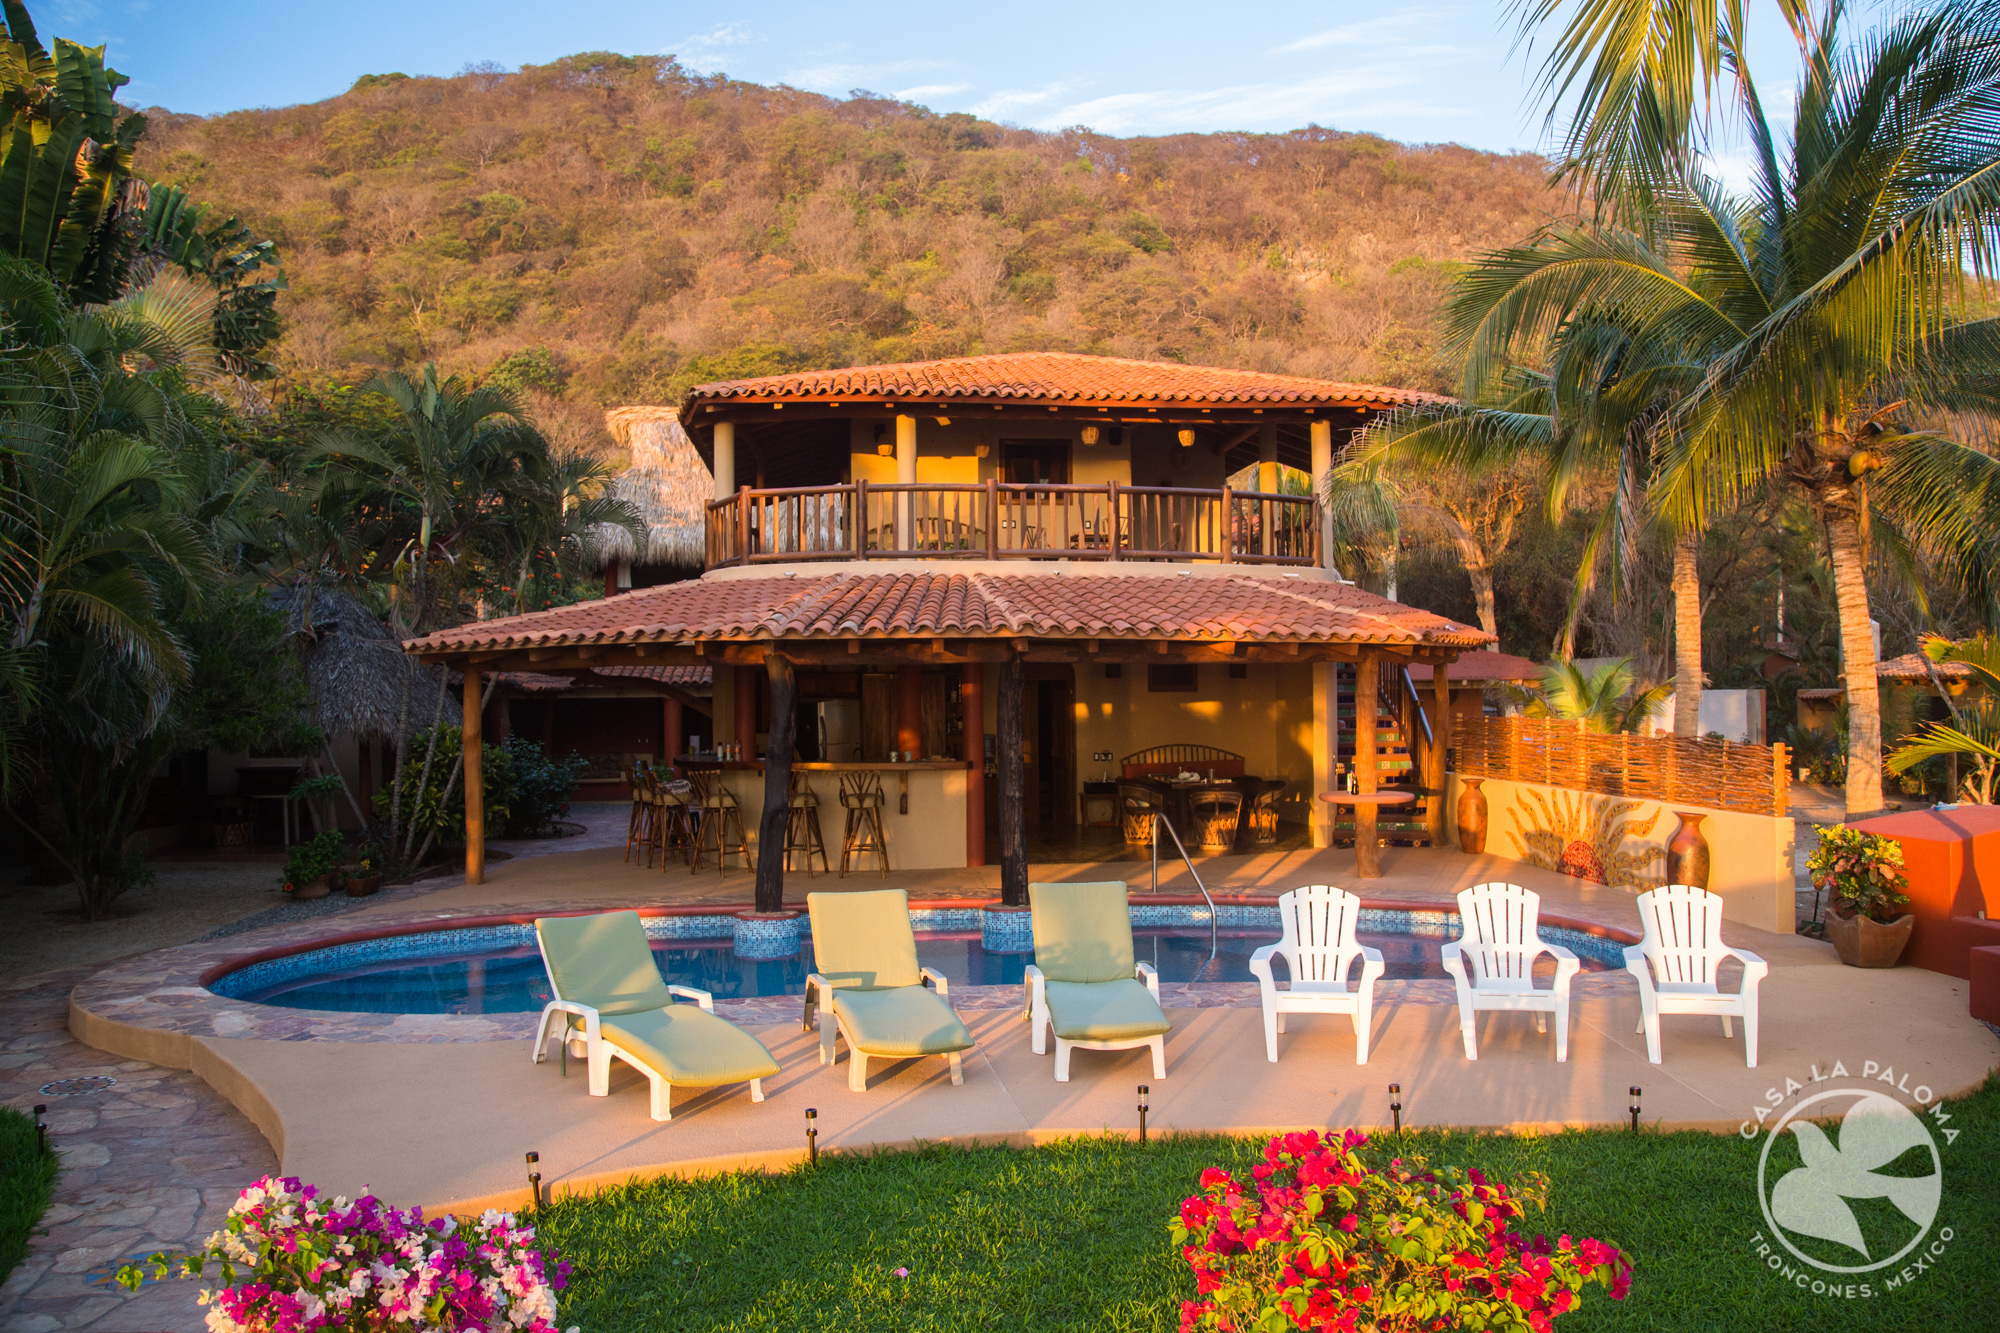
{"points": [[1687, 852], [360, 886], [1471, 817], [1864, 942], [314, 888]]}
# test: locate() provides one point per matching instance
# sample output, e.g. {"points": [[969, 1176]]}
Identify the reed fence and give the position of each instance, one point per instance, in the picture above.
{"points": [[1752, 779]]}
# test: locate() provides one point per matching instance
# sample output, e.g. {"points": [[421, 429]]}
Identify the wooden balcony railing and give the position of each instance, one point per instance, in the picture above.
{"points": [[996, 521]]}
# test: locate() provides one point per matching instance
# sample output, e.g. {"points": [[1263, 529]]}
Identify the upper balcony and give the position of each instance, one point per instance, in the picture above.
{"points": [[994, 520]]}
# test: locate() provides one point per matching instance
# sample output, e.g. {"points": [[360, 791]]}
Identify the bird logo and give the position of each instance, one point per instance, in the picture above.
{"points": [[1816, 1198]]}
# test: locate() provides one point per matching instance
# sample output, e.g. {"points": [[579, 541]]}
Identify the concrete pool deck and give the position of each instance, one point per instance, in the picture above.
{"points": [[438, 1109]]}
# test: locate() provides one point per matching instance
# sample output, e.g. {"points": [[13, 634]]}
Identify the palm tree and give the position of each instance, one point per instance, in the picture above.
{"points": [[1825, 314], [1974, 730], [1603, 700]]}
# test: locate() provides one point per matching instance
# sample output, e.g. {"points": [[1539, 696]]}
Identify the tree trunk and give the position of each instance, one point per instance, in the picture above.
{"points": [[1857, 644], [1481, 575], [777, 784], [1013, 783], [1687, 636]]}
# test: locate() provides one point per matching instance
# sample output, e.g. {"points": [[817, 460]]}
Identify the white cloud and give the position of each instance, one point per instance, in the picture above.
{"points": [[923, 90], [1352, 95], [1004, 104], [704, 50], [1371, 32], [839, 78]]}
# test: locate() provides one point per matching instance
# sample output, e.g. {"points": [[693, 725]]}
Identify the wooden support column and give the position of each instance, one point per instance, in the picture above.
{"points": [[746, 710], [910, 711], [777, 785], [1437, 774], [906, 475], [475, 784], [1367, 846], [670, 729], [1013, 785], [724, 451], [972, 735]]}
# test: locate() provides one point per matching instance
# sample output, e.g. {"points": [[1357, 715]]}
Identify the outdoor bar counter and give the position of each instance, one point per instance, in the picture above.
{"points": [[923, 806]]}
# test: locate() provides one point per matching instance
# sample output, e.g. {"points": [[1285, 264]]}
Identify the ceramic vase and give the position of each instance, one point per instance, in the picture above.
{"points": [[1471, 817], [1687, 852], [1865, 942]]}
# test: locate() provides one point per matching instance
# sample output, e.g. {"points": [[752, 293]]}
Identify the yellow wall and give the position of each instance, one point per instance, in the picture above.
{"points": [[950, 454], [1266, 717]]}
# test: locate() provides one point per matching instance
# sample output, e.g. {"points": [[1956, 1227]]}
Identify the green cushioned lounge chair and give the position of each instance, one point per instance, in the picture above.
{"points": [[1084, 982], [605, 982], [868, 977]]}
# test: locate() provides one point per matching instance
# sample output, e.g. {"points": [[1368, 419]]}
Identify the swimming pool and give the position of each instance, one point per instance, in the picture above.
{"points": [[497, 969]]}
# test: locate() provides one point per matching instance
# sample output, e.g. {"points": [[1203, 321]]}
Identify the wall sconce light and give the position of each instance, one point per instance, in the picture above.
{"points": [[944, 421], [1187, 439], [886, 450], [1089, 435], [982, 450]]}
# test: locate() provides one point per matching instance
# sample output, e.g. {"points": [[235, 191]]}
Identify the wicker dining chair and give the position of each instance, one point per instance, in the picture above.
{"points": [[1260, 821], [1215, 814], [1138, 806]]}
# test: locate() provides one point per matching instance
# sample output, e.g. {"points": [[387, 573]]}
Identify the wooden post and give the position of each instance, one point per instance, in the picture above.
{"points": [[1367, 702], [972, 748], [1438, 774], [1013, 785], [910, 711], [777, 785], [670, 729], [746, 710], [475, 784], [743, 525], [992, 519]]}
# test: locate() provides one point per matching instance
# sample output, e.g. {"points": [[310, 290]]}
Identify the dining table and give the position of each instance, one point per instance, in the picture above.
{"points": [[1175, 793]]}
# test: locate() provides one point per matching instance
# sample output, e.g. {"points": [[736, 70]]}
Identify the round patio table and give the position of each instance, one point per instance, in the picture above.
{"points": [[1366, 862]]}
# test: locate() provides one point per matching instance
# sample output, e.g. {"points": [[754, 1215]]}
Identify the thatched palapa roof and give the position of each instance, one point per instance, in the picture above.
{"points": [[668, 484], [356, 670]]}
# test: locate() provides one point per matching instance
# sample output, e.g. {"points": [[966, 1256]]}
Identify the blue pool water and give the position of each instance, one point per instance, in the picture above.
{"points": [[497, 969]]}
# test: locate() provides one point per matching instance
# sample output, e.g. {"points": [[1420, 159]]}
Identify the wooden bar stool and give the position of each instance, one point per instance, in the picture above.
{"points": [[640, 827], [676, 836], [802, 831], [861, 797], [716, 816]]}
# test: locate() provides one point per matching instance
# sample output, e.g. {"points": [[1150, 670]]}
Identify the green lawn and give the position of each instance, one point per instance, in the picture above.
{"points": [[1073, 1236], [26, 1176]]}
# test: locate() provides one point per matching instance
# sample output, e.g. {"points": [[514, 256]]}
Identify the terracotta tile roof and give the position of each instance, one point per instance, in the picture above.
{"points": [[1483, 665], [1053, 377], [536, 682], [920, 603], [1910, 666]]}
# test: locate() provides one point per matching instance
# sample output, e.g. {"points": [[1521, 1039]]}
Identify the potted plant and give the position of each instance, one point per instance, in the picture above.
{"points": [[310, 868], [364, 874], [1862, 874]]}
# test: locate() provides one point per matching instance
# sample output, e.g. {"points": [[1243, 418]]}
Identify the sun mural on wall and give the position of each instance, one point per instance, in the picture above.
{"points": [[1588, 837]]}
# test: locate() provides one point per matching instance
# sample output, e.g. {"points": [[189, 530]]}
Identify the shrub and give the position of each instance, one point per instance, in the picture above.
{"points": [[1862, 871], [321, 855], [27, 1176], [526, 791], [1331, 1238], [288, 1260]]}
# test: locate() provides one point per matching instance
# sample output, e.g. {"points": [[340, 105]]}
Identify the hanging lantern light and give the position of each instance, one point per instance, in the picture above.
{"points": [[1089, 435], [1187, 439]]}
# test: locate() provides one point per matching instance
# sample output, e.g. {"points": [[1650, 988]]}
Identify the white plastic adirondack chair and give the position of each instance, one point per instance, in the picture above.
{"points": [[1677, 964], [1318, 947], [1492, 964]]}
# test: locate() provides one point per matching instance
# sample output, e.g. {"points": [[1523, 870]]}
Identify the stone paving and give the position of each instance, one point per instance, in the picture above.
{"points": [[151, 1163]]}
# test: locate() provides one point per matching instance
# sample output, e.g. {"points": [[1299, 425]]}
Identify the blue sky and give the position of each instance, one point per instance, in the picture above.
{"points": [[1419, 72]]}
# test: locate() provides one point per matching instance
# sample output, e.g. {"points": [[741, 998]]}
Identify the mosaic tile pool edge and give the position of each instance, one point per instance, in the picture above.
{"points": [[452, 942]]}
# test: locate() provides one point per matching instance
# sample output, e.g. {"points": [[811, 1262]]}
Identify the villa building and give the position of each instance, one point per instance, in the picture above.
{"points": [[1007, 582]]}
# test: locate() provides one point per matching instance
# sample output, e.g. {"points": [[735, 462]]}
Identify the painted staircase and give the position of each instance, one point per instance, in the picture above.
{"points": [[1395, 762]]}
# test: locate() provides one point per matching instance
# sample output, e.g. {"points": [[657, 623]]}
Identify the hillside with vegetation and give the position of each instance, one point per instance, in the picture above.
{"points": [[609, 229]]}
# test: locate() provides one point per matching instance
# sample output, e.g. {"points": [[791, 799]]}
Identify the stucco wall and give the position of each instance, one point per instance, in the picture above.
{"points": [[1750, 856], [1267, 717], [930, 837]]}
